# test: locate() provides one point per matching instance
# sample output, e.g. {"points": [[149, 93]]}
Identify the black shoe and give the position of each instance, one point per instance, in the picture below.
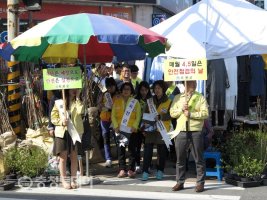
{"points": [[178, 187], [199, 188]]}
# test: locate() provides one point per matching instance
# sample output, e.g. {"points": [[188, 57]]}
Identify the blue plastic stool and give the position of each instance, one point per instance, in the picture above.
{"points": [[217, 171]]}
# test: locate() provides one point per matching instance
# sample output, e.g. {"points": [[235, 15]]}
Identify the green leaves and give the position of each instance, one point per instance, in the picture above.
{"points": [[10, 159], [28, 161], [245, 152], [249, 167]]}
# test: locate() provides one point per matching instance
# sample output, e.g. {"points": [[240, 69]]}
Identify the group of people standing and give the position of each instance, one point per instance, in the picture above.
{"points": [[136, 114]]}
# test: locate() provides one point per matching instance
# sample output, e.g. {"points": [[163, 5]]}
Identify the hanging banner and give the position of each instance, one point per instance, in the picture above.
{"points": [[185, 69], [62, 78]]}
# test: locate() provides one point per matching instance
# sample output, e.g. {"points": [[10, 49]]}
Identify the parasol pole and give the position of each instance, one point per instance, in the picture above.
{"points": [[85, 109], [185, 88], [187, 100], [64, 103], [85, 77]]}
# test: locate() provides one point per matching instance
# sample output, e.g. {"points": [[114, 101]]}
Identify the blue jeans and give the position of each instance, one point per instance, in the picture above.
{"points": [[105, 128]]}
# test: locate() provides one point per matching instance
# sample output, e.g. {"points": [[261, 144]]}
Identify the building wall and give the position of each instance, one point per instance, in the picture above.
{"points": [[143, 15], [138, 13], [175, 6]]}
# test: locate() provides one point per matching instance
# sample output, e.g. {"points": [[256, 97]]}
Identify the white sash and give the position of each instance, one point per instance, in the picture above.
{"points": [[109, 102], [126, 116], [160, 125], [71, 128], [100, 83]]}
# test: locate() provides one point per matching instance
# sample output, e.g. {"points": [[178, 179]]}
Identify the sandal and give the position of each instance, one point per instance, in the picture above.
{"points": [[74, 183], [66, 185]]}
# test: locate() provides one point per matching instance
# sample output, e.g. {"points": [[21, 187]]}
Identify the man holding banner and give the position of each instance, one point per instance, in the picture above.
{"points": [[190, 109]]}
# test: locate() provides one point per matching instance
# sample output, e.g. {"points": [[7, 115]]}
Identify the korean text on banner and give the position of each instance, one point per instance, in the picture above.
{"points": [[62, 78], [185, 69]]}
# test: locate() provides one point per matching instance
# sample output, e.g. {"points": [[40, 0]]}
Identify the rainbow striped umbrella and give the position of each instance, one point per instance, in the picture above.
{"points": [[98, 38]]}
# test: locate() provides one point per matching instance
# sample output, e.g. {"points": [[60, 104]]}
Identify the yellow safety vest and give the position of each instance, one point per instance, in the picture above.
{"points": [[118, 109], [163, 109]]}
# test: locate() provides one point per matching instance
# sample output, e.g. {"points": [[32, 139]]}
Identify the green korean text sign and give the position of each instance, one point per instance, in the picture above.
{"points": [[62, 78]]}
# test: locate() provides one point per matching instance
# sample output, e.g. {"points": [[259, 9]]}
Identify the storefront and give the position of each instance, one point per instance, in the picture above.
{"points": [[51, 10]]}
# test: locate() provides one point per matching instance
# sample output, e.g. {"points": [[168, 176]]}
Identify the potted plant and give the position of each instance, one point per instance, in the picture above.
{"points": [[249, 169], [232, 152], [11, 164], [27, 161], [245, 155], [261, 148], [32, 161]]}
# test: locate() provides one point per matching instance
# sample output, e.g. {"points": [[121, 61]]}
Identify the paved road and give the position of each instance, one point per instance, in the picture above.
{"points": [[112, 188], [115, 189]]}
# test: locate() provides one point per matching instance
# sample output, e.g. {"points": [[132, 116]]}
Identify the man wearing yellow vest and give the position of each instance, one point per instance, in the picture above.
{"points": [[190, 109]]}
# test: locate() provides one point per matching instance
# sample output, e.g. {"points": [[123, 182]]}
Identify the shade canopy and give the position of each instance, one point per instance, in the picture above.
{"points": [[98, 38], [215, 29]]}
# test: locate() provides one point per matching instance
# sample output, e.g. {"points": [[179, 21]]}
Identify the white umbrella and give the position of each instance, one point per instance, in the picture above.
{"points": [[216, 29]]}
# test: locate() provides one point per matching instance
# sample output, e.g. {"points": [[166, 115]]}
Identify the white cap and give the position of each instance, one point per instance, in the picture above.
{"points": [[109, 64]]}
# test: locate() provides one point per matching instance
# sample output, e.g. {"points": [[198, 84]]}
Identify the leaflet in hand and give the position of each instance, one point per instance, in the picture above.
{"points": [[125, 129], [149, 117]]}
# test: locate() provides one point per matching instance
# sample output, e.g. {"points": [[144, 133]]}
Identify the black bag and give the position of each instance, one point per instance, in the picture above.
{"points": [[86, 138]]}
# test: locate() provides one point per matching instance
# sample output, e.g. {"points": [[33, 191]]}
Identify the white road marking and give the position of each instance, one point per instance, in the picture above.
{"points": [[127, 194], [167, 183], [13, 199]]}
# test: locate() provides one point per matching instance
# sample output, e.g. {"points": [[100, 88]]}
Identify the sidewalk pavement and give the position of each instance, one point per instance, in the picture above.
{"points": [[99, 170], [103, 181]]}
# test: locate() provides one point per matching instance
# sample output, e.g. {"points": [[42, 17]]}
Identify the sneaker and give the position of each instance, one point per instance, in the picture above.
{"points": [[159, 175], [122, 174], [138, 170], [145, 176], [108, 163], [131, 174]]}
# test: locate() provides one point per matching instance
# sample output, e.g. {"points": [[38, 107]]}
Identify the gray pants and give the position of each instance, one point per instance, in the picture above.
{"points": [[194, 141]]}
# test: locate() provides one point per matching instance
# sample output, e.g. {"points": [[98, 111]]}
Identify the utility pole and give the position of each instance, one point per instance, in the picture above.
{"points": [[14, 102]]}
